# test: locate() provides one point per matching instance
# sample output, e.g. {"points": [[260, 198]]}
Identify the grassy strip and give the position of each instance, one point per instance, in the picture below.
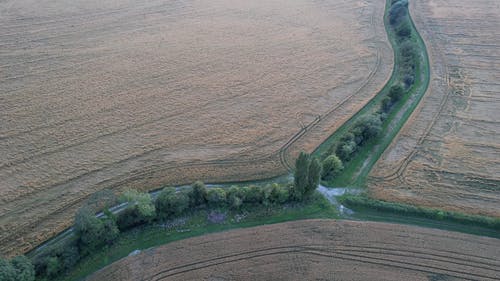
{"points": [[196, 224], [357, 169], [362, 202]]}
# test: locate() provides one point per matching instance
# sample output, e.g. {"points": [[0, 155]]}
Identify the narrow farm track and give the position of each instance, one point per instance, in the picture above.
{"points": [[378, 251]]}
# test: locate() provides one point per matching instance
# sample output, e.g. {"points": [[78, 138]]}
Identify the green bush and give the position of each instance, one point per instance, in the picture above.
{"points": [[128, 218], [398, 12], [253, 195], [142, 202], [216, 197], [17, 269], [171, 203], [92, 232], [396, 92], [88, 229], [235, 202], [332, 166], [403, 31], [278, 194], [346, 150], [54, 267], [198, 194], [386, 104]]}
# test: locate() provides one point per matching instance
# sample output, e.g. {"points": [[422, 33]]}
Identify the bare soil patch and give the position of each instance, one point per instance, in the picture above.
{"points": [[115, 94], [317, 250], [448, 154]]}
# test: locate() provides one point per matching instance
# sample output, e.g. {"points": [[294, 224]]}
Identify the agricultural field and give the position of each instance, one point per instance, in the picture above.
{"points": [[448, 154], [116, 94], [316, 250]]}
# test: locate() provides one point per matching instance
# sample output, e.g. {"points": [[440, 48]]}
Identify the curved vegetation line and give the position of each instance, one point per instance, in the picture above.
{"points": [[360, 141]]}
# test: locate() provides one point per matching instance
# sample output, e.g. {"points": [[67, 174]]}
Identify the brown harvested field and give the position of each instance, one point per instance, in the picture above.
{"points": [[448, 154], [115, 94], [317, 250]]}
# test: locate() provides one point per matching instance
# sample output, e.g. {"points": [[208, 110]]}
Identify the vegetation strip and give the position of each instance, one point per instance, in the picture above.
{"points": [[200, 210], [354, 201], [350, 153], [360, 142]]}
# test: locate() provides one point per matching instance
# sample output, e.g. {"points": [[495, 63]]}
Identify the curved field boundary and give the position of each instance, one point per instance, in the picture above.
{"points": [[398, 174], [421, 261], [391, 129], [374, 246]]}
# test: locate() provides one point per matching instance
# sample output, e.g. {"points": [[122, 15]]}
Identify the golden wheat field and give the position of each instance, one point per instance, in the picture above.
{"points": [[316, 250], [116, 94], [448, 154]]}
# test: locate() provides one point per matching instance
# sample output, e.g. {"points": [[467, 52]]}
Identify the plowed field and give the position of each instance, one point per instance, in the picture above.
{"points": [[448, 154], [115, 94], [317, 250]]}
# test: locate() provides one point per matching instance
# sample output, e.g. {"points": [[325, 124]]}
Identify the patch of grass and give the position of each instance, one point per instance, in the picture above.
{"points": [[196, 224], [372, 209]]}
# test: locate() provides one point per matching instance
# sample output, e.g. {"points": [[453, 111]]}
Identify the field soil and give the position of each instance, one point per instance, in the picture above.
{"points": [[117, 94], [316, 250], [448, 154]]}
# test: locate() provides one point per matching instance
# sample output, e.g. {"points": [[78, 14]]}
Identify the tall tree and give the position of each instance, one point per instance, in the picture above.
{"points": [[198, 195], [313, 176], [301, 176], [88, 230]]}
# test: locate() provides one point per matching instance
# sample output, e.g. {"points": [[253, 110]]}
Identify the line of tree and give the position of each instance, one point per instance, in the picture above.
{"points": [[400, 23], [92, 233], [370, 126]]}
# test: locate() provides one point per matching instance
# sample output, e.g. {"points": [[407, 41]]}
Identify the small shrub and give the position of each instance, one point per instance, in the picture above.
{"points": [[129, 218], [235, 202], [171, 203], [216, 197], [234, 195], [279, 194], [404, 30], [396, 92], [408, 79], [345, 150], [386, 104], [398, 12], [142, 202], [54, 267], [198, 194], [253, 195], [332, 166]]}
